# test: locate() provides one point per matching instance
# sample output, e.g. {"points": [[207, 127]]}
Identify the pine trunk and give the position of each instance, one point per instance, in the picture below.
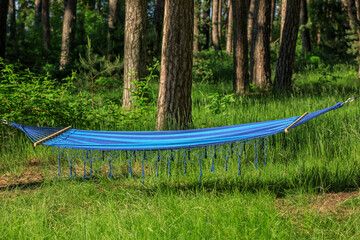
{"points": [[205, 28], [197, 5], [134, 47], [159, 17], [305, 34], [4, 6], [45, 23], [260, 45], [12, 9], [357, 3], [273, 9], [250, 19], [220, 19], [286, 60], [68, 33], [351, 13], [241, 69], [174, 102], [112, 19], [215, 21], [38, 10], [283, 13], [229, 42]]}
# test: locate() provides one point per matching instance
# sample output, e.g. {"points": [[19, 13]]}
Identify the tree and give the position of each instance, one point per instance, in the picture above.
{"points": [[112, 20], [215, 29], [4, 6], [68, 32], [305, 34], [286, 60], [12, 9], [357, 4], [174, 102], [197, 11], [45, 23], [37, 12], [205, 23], [219, 24], [159, 16], [135, 46], [229, 42], [351, 13], [241, 69], [260, 45], [273, 8], [251, 6]]}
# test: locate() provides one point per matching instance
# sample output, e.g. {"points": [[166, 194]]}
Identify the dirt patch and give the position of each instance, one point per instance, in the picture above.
{"points": [[31, 176], [327, 203]]}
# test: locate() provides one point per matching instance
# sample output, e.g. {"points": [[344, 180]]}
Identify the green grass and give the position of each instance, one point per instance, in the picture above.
{"points": [[318, 157]]}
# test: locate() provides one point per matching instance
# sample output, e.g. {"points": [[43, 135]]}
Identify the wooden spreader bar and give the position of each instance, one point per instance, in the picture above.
{"points": [[52, 136], [296, 121]]}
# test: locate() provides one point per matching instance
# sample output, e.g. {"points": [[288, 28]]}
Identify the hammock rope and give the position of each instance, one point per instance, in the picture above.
{"points": [[149, 148]]}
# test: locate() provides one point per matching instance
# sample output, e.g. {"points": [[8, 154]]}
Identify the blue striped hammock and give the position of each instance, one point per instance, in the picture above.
{"points": [[152, 147]]}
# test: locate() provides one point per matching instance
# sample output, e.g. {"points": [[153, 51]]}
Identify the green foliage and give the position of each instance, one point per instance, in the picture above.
{"points": [[32, 98], [220, 103]]}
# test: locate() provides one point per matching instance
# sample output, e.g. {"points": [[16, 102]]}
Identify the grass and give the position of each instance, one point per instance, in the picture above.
{"points": [[275, 202]]}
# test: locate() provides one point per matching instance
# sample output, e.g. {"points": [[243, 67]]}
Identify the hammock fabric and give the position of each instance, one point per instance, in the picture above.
{"points": [[169, 146]]}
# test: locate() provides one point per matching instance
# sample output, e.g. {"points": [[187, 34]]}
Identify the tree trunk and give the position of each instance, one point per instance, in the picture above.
{"points": [[351, 13], [112, 19], [283, 13], [134, 47], [159, 17], [197, 8], [286, 60], [357, 4], [38, 9], [205, 28], [219, 24], [260, 45], [45, 23], [229, 42], [174, 102], [305, 34], [4, 6], [250, 19], [12, 9], [241, 69], [273, 9], [215, 21], [68, 33]]}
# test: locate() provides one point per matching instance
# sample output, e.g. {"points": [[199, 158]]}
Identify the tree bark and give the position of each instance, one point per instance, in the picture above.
{"points": [[273, 9], [283, 13], [220, 19], [134, 47], [68, 33], [305, 34], [241, 69], [38, 9], [112, 20], [350, 7], [229, 42], [357, 4], [12, 9], [197, 8], [159, 17], [174, 102], [4, 6], [260, 45], [215, 29], [251, 18], [45, 23], [205, 27], [286, 60]]}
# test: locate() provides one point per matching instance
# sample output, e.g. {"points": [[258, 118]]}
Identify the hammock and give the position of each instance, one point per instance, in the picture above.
{"points": [[151, 147]]}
